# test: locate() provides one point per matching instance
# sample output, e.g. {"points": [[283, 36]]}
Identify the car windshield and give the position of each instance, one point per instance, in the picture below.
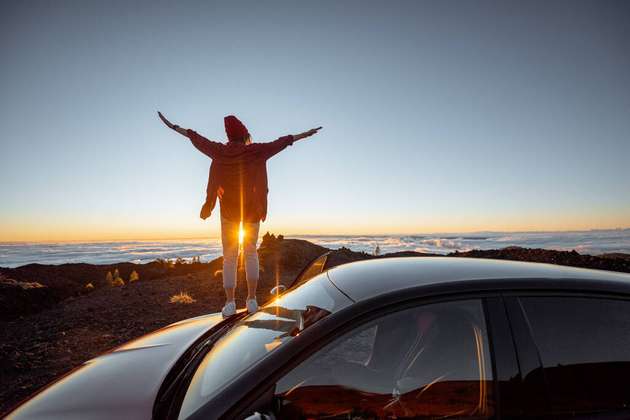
{"points": [[254, 337]]}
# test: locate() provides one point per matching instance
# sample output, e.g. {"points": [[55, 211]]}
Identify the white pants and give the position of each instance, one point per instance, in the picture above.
{"points": [[229, 240]]}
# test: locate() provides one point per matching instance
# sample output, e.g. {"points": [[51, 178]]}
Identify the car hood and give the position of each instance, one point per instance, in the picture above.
{"points": [[122, 383]]}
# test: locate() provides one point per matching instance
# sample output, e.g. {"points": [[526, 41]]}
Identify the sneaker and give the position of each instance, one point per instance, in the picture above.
{"points": [[252, 305], [229, 309]]}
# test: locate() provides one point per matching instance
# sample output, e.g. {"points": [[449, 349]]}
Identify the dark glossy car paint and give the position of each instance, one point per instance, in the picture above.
{"points": [[381, 285], [122, 383], [125, 382]]}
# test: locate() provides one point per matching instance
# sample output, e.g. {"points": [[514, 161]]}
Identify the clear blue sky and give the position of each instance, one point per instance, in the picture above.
{"points": [[438, 116]]}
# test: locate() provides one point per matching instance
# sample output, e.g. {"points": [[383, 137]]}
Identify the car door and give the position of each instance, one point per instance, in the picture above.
{"points": [[431, 360], [574, 352]]}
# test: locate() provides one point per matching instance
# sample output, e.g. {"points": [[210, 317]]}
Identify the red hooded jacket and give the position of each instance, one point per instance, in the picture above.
{"points": [[238, 176]]}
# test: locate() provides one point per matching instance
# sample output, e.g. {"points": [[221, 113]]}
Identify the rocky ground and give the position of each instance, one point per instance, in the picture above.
{"points": [[50, 323]]}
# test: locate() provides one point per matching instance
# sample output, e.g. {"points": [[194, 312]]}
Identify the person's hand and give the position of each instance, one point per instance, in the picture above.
{"points": [[312, 131], [165, 121], [306, 133], [206, 210]]}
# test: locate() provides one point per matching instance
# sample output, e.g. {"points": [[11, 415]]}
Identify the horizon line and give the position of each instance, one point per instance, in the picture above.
{"points": [[218, 237]]}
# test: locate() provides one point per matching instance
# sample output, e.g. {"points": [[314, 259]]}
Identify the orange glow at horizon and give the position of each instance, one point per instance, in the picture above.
{"points": [[172, 226]]}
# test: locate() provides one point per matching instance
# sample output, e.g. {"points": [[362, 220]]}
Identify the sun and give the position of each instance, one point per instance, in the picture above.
{"points": [[241, 234]]}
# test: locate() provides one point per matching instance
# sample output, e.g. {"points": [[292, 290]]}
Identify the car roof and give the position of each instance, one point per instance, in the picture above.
{"points": [[365, 279]]}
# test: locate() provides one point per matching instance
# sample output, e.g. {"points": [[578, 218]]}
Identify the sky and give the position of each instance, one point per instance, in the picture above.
{"points": [[438, 116]]}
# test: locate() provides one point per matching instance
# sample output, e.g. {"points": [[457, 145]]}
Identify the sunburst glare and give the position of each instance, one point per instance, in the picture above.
{"points": [[241, 234]]}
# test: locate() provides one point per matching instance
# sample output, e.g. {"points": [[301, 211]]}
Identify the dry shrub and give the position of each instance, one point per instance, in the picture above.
{"points": [[118, 282], [89, 287], [182, 297], [134, 276]]}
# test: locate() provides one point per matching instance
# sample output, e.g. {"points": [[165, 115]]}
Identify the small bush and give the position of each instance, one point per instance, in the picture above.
{"points": [[118, 282], [89, 287], [133, 276], [109, 279], [182, 297], [116, 274]]}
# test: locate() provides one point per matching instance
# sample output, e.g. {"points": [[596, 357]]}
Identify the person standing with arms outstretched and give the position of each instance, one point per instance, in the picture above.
{"points": [[238, 178]]}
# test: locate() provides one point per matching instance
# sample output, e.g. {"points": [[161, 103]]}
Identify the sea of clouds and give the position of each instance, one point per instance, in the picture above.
{"points": [[585, 242], [592, 242]]}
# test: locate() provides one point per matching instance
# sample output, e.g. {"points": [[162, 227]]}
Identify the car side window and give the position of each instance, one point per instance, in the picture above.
{"points": [[425, 362], [584, 347]]}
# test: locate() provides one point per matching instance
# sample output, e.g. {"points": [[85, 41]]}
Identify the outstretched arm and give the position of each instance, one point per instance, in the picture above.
{"points": [[276, 146], [205, 146]]}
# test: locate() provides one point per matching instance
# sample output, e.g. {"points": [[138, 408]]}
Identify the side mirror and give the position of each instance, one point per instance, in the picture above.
{"points": [[277, 290], [315, 267]]}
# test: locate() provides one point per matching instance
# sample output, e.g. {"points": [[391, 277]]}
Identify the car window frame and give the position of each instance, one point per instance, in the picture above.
{"points": [[506, 370], [249, 403], [527, 350]]}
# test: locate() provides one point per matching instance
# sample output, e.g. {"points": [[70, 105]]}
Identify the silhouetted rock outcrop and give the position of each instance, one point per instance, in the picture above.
{"points": [[20, 297]]}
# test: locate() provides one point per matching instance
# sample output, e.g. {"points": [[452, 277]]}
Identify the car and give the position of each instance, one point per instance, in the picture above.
{"points": [[415, 337]]}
